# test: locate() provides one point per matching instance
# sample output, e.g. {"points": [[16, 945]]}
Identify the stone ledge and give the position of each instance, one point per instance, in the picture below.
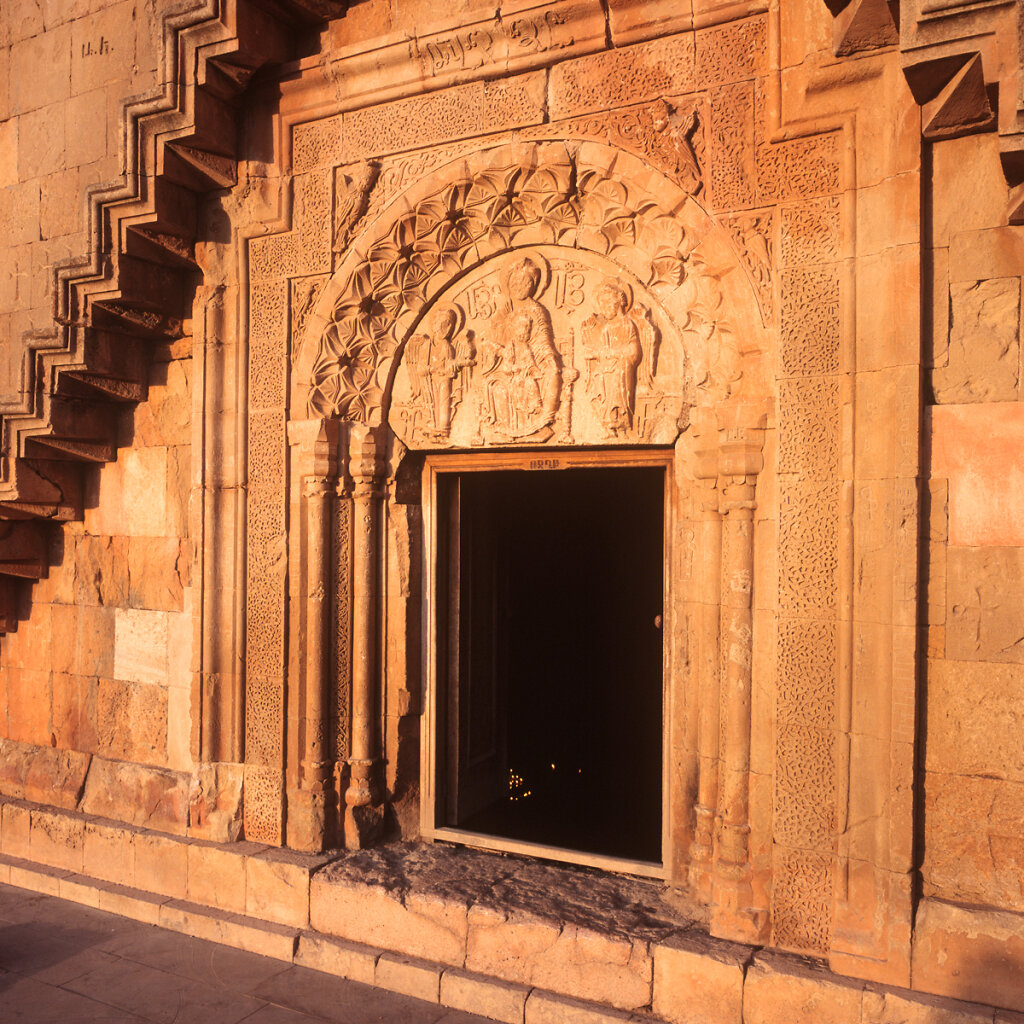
{"points": [[567, 921]]}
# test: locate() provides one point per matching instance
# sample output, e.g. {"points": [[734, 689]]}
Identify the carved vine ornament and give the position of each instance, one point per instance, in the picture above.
{"points": [[533, 296]]}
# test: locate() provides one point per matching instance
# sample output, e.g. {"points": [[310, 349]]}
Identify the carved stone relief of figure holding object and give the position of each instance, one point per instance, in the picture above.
{"points": [[436, 365], [519, 362], [619, 349]]}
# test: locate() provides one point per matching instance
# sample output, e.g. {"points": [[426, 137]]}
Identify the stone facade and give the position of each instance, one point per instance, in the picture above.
{"points": [[272, 276]]}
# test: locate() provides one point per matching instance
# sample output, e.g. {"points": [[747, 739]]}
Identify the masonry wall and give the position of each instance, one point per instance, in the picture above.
{"points": [[66, 69], [973, 781]]}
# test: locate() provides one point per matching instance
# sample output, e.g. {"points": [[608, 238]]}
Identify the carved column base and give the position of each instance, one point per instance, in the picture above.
{"points": [[307, 820], [701, 852], [733, 915], [364, 811], [364, 826]]}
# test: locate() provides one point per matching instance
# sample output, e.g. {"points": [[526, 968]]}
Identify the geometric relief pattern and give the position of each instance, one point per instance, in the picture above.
{"points": [[809, 427], [809, 467], [342, 624], [806, 671], [808, 538], [265, 556], [810, 321], [805, 796], [732, 143], [801, 899]]}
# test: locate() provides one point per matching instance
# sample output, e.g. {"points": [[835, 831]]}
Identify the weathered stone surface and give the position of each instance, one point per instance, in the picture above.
{"points": [[42, 774], [157, 569], [474, 993], [982, 361], [975, 719], [780, 987], [140, 646], [548, 1008], [277, 886], [970, 953], [336, 956], [217, 874], [215, 802], [417, 978], [131, 721], [57, 838], [893, 1007], [107, 852], [699, 980], [571, 933], [411, 900], [974, 850], [985, 592], [159, 863], [150, 797]]}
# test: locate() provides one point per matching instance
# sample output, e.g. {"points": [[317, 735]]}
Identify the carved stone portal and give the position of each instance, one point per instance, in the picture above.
{"points": [[552, 347]]}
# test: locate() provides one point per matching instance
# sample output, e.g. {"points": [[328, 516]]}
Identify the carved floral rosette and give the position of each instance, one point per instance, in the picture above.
{"points": [[587, 217]]}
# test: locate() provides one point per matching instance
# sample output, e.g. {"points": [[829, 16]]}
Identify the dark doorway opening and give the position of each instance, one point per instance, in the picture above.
{"points": [[550, 657]]}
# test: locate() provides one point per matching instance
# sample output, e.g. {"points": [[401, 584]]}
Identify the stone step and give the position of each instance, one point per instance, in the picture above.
{"points": [[505, 937], [437, 983]]}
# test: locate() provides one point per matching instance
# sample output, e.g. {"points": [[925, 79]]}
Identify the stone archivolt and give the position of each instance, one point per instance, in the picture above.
{"points": [[587, 209]]}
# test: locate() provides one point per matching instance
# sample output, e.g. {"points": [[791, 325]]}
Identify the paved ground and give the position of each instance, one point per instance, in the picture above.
{"points": [[62, 963]]}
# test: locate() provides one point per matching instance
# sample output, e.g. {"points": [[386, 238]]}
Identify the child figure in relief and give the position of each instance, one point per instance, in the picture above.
{"points": [[615, 354]]}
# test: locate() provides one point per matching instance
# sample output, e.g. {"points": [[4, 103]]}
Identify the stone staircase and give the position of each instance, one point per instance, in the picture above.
{"points": [[133, 290]]}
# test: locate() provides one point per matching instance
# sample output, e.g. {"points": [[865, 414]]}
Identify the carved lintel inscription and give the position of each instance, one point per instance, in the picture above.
{"points": [[503, 39], [557, 348]]}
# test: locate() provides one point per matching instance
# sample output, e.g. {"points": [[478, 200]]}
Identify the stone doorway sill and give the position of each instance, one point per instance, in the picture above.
{"points": [[504, 937]]}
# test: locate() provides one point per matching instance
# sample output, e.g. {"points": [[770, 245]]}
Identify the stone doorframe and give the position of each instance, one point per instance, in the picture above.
{"points": [[832, 860], [541, 203]]}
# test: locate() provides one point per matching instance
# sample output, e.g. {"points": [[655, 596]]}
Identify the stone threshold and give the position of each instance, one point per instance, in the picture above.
{"points": [[504, 937]]}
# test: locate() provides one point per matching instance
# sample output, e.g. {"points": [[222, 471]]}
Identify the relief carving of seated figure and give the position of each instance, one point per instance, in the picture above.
{"points": [[518, 360]]}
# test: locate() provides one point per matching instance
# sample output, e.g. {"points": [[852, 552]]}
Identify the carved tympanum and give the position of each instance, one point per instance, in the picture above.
{"points": [[558, 348], [581, 225]]}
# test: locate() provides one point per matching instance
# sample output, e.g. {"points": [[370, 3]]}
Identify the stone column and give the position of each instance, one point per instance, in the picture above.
{"points": [[741, 442], [708, 672], [309, 806], [363, 816]]}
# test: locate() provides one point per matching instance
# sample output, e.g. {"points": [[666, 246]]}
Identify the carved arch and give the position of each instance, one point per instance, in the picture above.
{"points": [[586, 196]]}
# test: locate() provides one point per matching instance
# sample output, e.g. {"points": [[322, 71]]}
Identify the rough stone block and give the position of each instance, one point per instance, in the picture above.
{"points": [[216, 876], [139, 906], [74, 711], [985, 592], [131, 721], [373, 915], [215, 803], [548, 1008], [149, 797], [699, 980], [780, 987], [28, 706], [975, 719], [982, 360], [472, 993], [336, 956], [140, 646], [155, 573], [159, 863], [79, 889], [892, 1007], [272, 940], [57, 839], [974, 850], [107, 852], [969, 953], [100, 576], [417, 978], [15, 829], [277, 888], [38, 878], [561, 957], [95, 651]]}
